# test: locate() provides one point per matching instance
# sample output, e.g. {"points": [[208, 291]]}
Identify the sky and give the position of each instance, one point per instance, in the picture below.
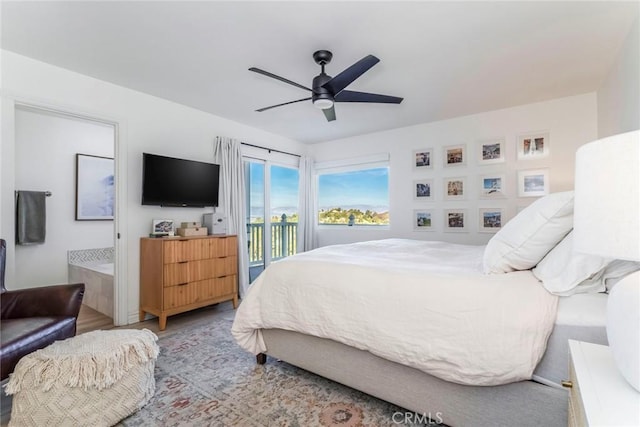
{"points": [[284, 190], [365, 189]]}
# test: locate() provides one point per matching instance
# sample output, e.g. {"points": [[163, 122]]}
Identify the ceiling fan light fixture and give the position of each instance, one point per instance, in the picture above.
{"points": [[323, 103], [326, 90]]}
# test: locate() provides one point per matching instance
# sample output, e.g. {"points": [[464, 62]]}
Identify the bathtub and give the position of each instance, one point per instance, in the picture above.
{"points": [[106, 268], [94, 268]]}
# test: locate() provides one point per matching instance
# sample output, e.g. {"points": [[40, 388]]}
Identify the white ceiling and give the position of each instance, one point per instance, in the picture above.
{"points": [[446, 59]]}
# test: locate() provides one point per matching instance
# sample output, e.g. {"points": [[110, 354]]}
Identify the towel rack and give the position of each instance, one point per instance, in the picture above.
{"points": [[46, 193]]}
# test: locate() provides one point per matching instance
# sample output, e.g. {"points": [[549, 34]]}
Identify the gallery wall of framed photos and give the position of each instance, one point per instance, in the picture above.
{"points": [[477, 172], [471, 175]]}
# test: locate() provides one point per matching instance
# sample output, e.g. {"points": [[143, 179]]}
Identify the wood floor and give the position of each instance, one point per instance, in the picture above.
{"points": [[91, 320]]}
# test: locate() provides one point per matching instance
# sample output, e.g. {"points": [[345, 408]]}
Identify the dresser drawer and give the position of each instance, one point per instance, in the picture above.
{"points": [[223, 246], [186, 250], [226, 266], [214, 288], [192, 271], [176, 273], [202, 290], [177, 296]]}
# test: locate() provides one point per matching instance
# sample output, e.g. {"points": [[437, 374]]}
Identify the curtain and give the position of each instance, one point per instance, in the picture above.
{"points": [[228, 154], [307, 217]]}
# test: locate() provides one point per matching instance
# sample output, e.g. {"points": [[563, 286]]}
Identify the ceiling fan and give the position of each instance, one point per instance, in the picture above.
{"points": [[326, 90]]}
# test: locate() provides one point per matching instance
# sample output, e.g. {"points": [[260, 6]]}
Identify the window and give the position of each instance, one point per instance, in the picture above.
{"points": [[356, 195], [272, 211]]}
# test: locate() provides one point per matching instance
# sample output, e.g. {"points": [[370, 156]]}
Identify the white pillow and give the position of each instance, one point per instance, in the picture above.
{"points": [[528, 237], [565, 272]]}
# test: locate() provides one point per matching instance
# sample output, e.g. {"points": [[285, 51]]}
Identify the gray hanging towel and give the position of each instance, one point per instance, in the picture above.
{"points": [[31, 221]]}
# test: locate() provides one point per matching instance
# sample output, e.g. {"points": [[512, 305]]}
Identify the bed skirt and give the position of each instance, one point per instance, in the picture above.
{"points": [[524, 403]]}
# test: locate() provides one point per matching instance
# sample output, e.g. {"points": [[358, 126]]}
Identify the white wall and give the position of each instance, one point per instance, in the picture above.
{"points": [[45, 160], [146, 124], [619, 94], [570, 121]]}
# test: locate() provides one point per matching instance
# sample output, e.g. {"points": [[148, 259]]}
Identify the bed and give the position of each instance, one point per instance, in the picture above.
{"points": [[430, 326]]}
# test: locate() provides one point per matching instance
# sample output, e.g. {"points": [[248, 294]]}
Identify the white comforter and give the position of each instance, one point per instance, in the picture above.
{"points": [[422, 304]]}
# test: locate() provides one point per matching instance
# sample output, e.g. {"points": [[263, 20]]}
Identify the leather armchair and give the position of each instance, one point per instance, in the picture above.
{"points": [[31, 319]]}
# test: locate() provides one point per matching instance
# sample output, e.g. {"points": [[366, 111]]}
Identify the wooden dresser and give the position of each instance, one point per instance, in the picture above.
{"points": [[179, 274]]}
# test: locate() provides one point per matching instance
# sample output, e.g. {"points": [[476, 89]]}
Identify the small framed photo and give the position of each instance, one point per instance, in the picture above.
{"points": [[455, 220], [162, 227], [533, 145], [423, 159], [454, 188], [491, 151], [423, 219], [492, 187], [491, 220], [423, 190], [455, 155], [533, 182]]}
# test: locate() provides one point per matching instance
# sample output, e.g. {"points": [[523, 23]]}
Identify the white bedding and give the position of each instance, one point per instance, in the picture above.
{"points": [[422, 304]]}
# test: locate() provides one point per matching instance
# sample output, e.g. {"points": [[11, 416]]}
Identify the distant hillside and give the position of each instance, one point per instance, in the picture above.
{"points": [[341, 216], [337, 216]]}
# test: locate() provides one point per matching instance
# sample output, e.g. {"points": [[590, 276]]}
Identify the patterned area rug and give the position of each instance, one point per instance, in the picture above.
{"points": [[204, 379]]}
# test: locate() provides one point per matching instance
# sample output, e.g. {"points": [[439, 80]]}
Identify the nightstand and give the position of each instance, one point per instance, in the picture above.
{"points": [[599, 395]]}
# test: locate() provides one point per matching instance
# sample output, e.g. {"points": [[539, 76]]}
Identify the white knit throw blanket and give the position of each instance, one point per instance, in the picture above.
{"points": [[95, 359]]}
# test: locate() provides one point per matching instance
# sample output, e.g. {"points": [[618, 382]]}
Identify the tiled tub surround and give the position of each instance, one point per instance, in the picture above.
{"points": [[94, 268]]}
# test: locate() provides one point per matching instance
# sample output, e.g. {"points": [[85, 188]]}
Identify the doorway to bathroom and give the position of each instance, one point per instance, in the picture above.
{"points": [[51, 148]]}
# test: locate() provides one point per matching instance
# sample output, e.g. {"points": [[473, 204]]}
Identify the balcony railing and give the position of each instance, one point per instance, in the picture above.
{"points": [[284, 236]]}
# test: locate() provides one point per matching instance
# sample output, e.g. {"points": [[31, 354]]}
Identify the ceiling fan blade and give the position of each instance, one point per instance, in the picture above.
{"points": [[345, 78], [282, 79], [351, 96], [330, 114], [280, 105]]}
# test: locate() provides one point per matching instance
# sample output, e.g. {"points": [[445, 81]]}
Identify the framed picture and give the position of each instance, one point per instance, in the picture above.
{"points": [[94, 188], [423, 159], [423, 190], [163, 227], [491, 151], [423, 220], [455, 155], [533, 183], [492, 187], [455, 220], [533, 145], [491, 220], [454, 188]]}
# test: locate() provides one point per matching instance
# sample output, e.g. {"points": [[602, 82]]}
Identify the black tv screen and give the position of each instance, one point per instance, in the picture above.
{"points": [[167, 181]]}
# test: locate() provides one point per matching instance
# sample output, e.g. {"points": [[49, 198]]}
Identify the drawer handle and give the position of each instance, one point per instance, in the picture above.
{"points": [[182, 262], [182, 284], [567, 383]]}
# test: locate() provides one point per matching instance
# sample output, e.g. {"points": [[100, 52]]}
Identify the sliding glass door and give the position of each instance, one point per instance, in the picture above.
{"points": [[272, 213]]}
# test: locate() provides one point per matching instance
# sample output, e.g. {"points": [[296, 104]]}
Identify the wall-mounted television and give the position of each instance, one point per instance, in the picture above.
{"points": [[167, 181]]}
